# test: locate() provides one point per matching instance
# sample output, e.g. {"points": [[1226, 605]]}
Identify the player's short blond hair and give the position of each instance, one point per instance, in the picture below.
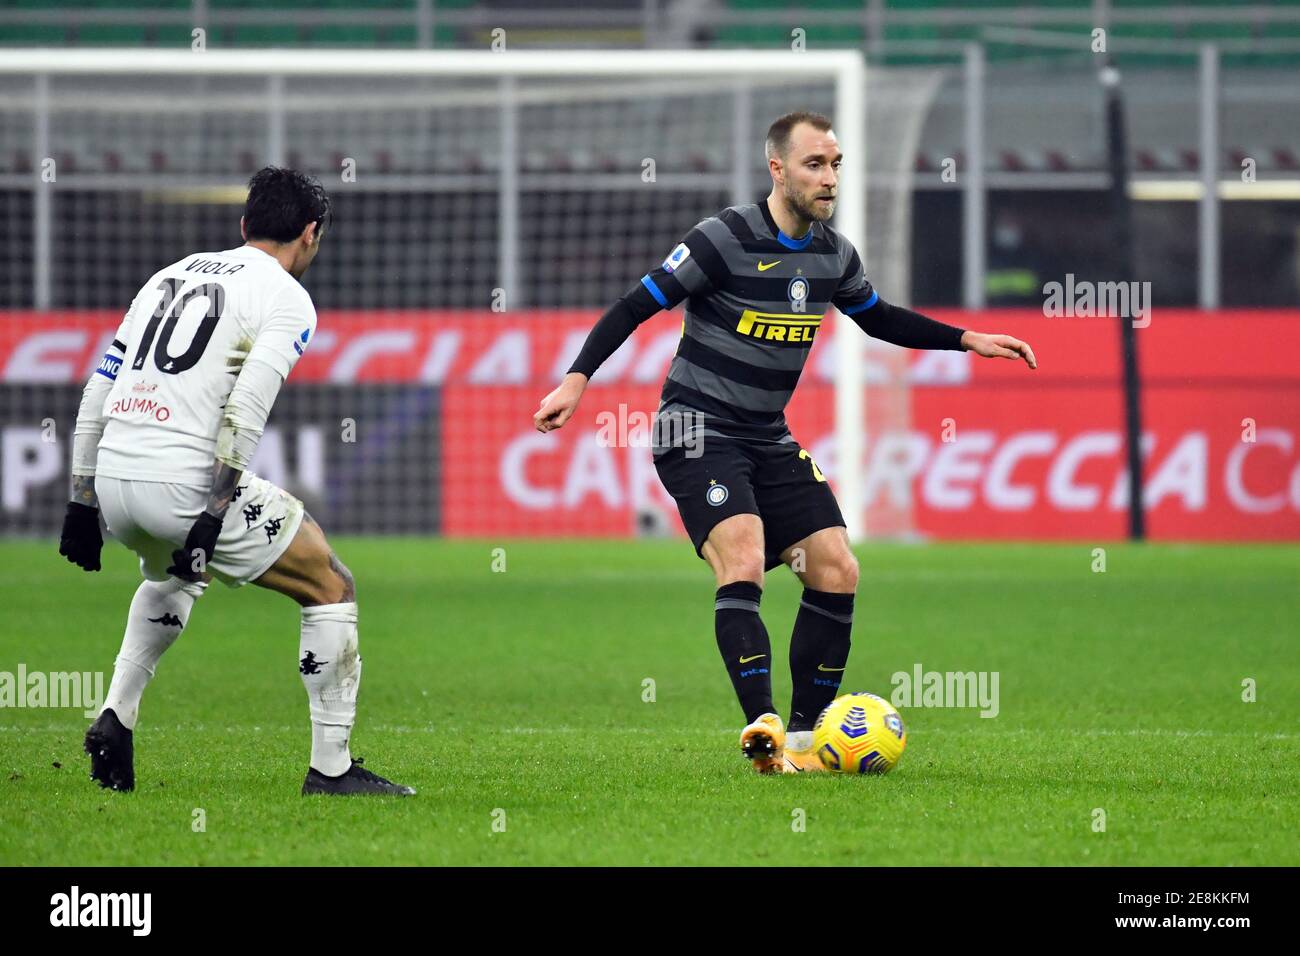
{"points": [[778, 134]]}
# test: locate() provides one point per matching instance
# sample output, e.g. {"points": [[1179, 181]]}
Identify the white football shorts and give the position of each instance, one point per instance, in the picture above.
{"points": [[153, 518]]}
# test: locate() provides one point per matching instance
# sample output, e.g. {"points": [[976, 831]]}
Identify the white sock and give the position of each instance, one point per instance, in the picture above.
{"points": [[159, 612], [799, 740], [330, 665]]}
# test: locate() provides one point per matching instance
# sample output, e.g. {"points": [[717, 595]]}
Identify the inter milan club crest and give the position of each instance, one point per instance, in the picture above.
{"points": [[717, 493], [798, 294]]}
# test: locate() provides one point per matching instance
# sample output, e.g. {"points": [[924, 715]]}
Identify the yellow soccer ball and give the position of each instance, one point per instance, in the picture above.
{"points": [[859, 733]]}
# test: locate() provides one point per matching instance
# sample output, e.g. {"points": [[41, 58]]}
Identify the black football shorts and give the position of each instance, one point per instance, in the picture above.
{"points": [[778, 482]]}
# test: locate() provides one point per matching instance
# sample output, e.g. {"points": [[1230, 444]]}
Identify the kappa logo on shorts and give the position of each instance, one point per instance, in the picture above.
{"points": [[273, 528], [251, 513], [717, 494]]}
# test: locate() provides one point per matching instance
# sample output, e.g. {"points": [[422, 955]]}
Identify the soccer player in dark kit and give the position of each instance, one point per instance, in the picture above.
{"points": [[757, 281]]}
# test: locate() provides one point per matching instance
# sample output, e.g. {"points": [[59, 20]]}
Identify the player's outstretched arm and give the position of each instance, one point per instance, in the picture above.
{"points": [[693, 267], [893, 323], [996, 345], [610, 331]]}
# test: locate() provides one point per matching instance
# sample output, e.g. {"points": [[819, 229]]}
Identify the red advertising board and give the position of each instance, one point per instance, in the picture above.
{"points": [[988, 449]]}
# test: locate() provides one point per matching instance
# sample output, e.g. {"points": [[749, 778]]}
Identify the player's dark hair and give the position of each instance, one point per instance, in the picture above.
{"points": [[778, 134], [281, 202]]}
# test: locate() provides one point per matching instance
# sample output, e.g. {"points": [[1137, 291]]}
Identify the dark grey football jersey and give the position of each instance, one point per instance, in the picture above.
{"points": [[755, 301]]}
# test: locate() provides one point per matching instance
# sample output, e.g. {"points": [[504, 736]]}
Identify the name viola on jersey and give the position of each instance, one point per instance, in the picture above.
{"points": [[213, 267], [123, 407]]}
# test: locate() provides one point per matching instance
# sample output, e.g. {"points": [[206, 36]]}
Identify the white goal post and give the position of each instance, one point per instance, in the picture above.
{"points": [[844, 70]]}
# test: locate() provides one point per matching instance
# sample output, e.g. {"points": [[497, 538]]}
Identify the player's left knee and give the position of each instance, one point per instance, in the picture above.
{"points": [[840, 573], [347, 585], [850, 574]]}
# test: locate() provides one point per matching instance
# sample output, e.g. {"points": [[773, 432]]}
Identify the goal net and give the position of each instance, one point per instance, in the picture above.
{"points": [[487, 208]]}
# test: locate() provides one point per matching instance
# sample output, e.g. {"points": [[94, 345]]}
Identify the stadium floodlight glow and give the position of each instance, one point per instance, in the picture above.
{"points": [[845, 70]]}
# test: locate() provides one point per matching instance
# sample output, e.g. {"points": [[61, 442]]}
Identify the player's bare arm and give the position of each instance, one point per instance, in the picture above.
{"points": [[83, 490], [559, 406], [997, 345], [225, 479]]}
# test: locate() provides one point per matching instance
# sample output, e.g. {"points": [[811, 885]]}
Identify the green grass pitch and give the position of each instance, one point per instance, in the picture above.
{"points": [[517, 697]]}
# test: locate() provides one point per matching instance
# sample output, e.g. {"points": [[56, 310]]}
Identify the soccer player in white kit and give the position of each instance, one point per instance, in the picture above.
{"points": [[167, 426]]}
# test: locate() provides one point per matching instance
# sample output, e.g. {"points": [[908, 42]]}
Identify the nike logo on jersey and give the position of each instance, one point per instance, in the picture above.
{"points": [[746, 660], [764, 266], [829, 670]]}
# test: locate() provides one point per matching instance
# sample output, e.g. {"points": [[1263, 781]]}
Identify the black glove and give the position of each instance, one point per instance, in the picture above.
{"points": [[202, 538], [81, 540]]}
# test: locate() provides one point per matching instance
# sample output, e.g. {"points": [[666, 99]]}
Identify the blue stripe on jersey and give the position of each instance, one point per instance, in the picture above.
{"points": [[865, 305], [654, 291], [789, 243]]}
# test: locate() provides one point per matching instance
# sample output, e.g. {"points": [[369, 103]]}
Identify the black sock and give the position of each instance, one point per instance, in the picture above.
{"points": [[819, 650], [745, 648]]}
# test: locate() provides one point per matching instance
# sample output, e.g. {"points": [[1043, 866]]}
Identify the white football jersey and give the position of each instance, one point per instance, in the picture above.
{"points": [[178, 352]]}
